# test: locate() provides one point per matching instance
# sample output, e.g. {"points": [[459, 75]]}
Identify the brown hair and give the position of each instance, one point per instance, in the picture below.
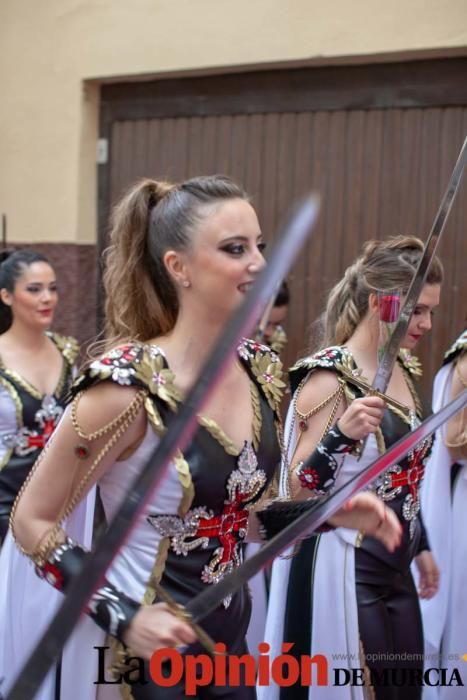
{"points": [[383, 265], [151, 218]]}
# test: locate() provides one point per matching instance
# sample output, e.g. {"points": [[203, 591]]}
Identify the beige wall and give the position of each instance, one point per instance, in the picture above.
{"points": [[49, 116]]}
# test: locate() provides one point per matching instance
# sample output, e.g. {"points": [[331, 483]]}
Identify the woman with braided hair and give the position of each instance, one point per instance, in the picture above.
{"points": [[341, 593], [181, 260]]}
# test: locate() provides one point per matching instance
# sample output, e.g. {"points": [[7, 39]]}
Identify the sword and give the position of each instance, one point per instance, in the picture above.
{"points": [[178, 433], [317, 514], [387, 362]]}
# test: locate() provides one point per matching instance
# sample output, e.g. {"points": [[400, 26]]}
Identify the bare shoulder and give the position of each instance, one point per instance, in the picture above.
{"points": [[319, 385], [100, 404], [459, 380], [462, 363]]}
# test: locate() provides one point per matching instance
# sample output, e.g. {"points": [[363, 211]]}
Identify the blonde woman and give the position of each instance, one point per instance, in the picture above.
{"points": [[341, 593]]}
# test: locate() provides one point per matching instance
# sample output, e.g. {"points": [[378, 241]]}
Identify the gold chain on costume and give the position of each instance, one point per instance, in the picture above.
{"points": [[303, 417], [106, 428], [337, 395], [121, 424]]}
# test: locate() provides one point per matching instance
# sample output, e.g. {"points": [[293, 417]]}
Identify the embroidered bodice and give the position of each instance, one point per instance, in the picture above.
{"points": [[27, 419], [196, 521], [399, 485]]}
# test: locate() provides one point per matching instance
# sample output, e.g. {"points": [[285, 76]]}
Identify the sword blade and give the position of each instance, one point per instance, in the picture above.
{"points": [[211, 598], [386, 365], [180, 430]]}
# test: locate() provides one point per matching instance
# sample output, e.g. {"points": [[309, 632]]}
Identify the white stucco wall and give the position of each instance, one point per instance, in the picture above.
{"points": [[48, 49]]}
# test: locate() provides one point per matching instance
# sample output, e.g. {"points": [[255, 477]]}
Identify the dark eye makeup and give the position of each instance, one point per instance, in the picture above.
{"points": [[36, 288], [238, 249]]}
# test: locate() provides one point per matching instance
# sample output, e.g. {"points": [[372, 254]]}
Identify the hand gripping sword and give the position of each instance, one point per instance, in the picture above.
{"points": [[180, 429], [318, 513]]}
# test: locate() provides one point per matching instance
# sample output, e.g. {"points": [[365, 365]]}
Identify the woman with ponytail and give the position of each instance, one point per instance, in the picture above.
{"points": [[35, 369], [181, 260], [343, 595]]}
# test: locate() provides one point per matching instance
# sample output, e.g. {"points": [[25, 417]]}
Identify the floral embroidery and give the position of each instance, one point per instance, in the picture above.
{"points": [[67, 345], [26, 441], [334, 357], [267, 368], [248, 349], [328, 357], [410, 362], [116, 364], [327, 459], [144, 364], [391, 484], [268, 373], [309, 478], [230, 526], [153, 373]]}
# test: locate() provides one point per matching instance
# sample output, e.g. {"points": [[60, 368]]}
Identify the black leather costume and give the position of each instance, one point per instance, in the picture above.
{"points": [[204, 542], [388, 607]]}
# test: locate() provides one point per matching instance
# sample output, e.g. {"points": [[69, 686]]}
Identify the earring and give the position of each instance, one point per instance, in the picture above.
{"points": [[186, 283]]}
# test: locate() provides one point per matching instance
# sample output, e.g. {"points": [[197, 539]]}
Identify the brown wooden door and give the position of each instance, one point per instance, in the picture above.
{"points": [[377, 144]]}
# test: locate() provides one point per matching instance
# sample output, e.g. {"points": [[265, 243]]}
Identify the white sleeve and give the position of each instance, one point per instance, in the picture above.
{"points": [[8, 424]]}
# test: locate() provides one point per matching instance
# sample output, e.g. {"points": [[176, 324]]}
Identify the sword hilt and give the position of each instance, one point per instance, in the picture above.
{"points": [[183, 614], [371, 391]]}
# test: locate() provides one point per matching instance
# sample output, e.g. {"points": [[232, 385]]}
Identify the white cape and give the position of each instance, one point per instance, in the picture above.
{"points": [[27, 605], [335, 614]]}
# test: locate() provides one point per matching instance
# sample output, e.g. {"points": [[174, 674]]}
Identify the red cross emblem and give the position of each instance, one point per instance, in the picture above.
{"points": [[413, 475], [224, 526]]}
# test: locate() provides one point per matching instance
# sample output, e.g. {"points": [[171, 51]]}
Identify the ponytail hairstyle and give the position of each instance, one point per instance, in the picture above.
{"points": [[383, 265], [12, 267], [152, 218]]}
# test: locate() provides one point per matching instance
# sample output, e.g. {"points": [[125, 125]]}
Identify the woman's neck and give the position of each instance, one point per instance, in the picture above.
{"points": [[190, 342], [25, 336], [363, 343]]}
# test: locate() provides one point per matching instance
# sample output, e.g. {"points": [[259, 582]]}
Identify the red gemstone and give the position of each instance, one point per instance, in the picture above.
{"points": [[81, 451], [303, 425]]}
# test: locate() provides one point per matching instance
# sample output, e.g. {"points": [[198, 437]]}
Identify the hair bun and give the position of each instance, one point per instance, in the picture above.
{"points": [[156, 190]]}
